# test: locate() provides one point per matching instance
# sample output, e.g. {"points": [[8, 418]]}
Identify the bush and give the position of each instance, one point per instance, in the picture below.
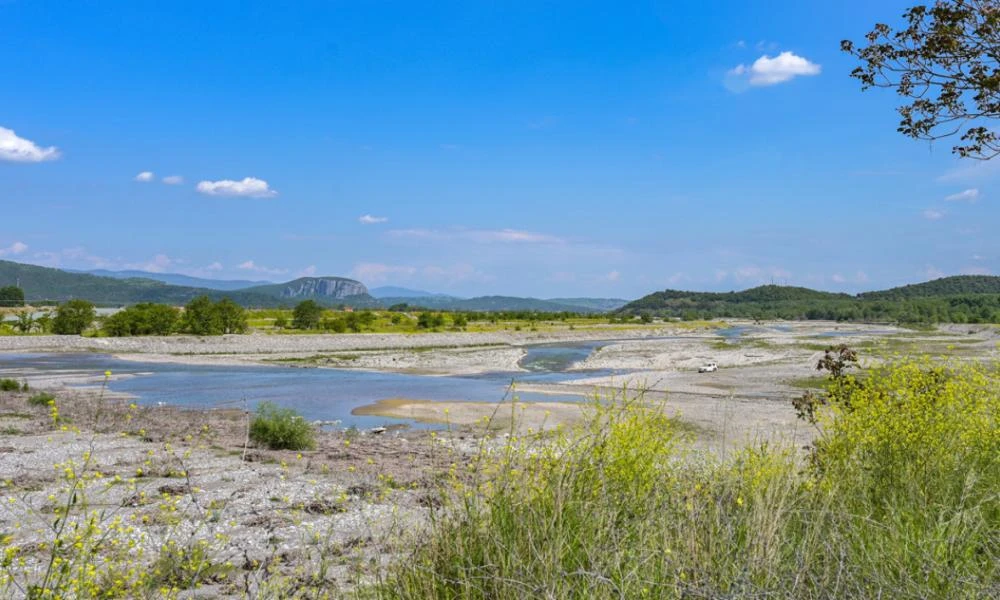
{"points": [[9, 385], [307, 315], [281, 429], [41, 399], [142, 319], [899, 499], [73, 317]]}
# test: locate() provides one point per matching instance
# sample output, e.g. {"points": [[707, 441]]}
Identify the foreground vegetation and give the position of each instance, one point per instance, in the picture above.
{"points": [[897, 498]]}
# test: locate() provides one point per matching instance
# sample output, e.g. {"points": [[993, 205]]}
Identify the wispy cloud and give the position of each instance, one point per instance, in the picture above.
{"points": [[144, 177], [933, 215], [160, 263], [309, 271], [766, 71], [975, 271], [969, 171], [248, 187], [371, 220], [374, 273], [932, 272], [482, 236], [254, 267], [301, 237], [173, 180], [970, 195], [14, 249], [18, 149]]}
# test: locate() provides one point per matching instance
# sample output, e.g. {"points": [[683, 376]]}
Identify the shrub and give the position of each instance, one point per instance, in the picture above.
{"points": [[41, 399], [281, 429], [897, 500], [73, 317], [306, 315], [9, 385], [142, 319]]}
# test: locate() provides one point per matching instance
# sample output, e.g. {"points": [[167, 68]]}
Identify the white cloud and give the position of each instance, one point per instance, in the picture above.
{"points": [[144, 177], [173, 180], [970, 195], [308, 271], [932, 272], [373, 273], [18, 149], [771, 71], [249, 187], [216, 266], [379, 273], [838, 278], [482, 236], [969, 171], [613, 276], [933, 215], [158, 264], [370, 220], [14, 249], [975, 271], [252, 266], [455, 274]]}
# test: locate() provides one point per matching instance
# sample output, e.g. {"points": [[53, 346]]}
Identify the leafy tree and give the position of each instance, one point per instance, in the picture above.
{"points": [[201, 317], [232, 316], [11, 295], [73, 317], [143, 319], [945, 61], [306, 315]]}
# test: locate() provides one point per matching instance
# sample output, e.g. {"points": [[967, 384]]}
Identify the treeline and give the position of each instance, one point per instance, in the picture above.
{"points": [[309, 315], [201, 316], [965, 308], [496, 315]]}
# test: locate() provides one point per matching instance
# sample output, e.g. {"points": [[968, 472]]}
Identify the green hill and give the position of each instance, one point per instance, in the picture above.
{"points": [[957, 285], [44, 284], [953, 299]]}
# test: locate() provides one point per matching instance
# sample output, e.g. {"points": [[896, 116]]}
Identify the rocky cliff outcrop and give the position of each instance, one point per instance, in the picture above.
{"points": [[323, 287]]}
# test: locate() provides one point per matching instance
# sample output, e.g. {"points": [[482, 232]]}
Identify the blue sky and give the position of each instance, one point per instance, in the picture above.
{"points": [[522, 148]]}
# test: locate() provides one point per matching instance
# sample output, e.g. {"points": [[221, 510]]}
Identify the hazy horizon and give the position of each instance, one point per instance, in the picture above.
{"points": [[564, 150]]}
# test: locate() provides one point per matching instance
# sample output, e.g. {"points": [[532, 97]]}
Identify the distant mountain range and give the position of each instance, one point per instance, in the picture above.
{"points": [[41, 284], [178, 279]]}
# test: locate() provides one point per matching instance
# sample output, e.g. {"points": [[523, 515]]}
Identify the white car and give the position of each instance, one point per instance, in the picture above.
{"points": [[708, 368]]}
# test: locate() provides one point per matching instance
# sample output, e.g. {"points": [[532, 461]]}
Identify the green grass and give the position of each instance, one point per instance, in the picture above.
{"points": [[11, 385], [41, 399], [898, 499], [281, 429], [809, 383]]}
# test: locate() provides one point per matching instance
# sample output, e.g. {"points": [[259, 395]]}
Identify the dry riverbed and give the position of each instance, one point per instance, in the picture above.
{"points": [[343, 510], [360, 500]]}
